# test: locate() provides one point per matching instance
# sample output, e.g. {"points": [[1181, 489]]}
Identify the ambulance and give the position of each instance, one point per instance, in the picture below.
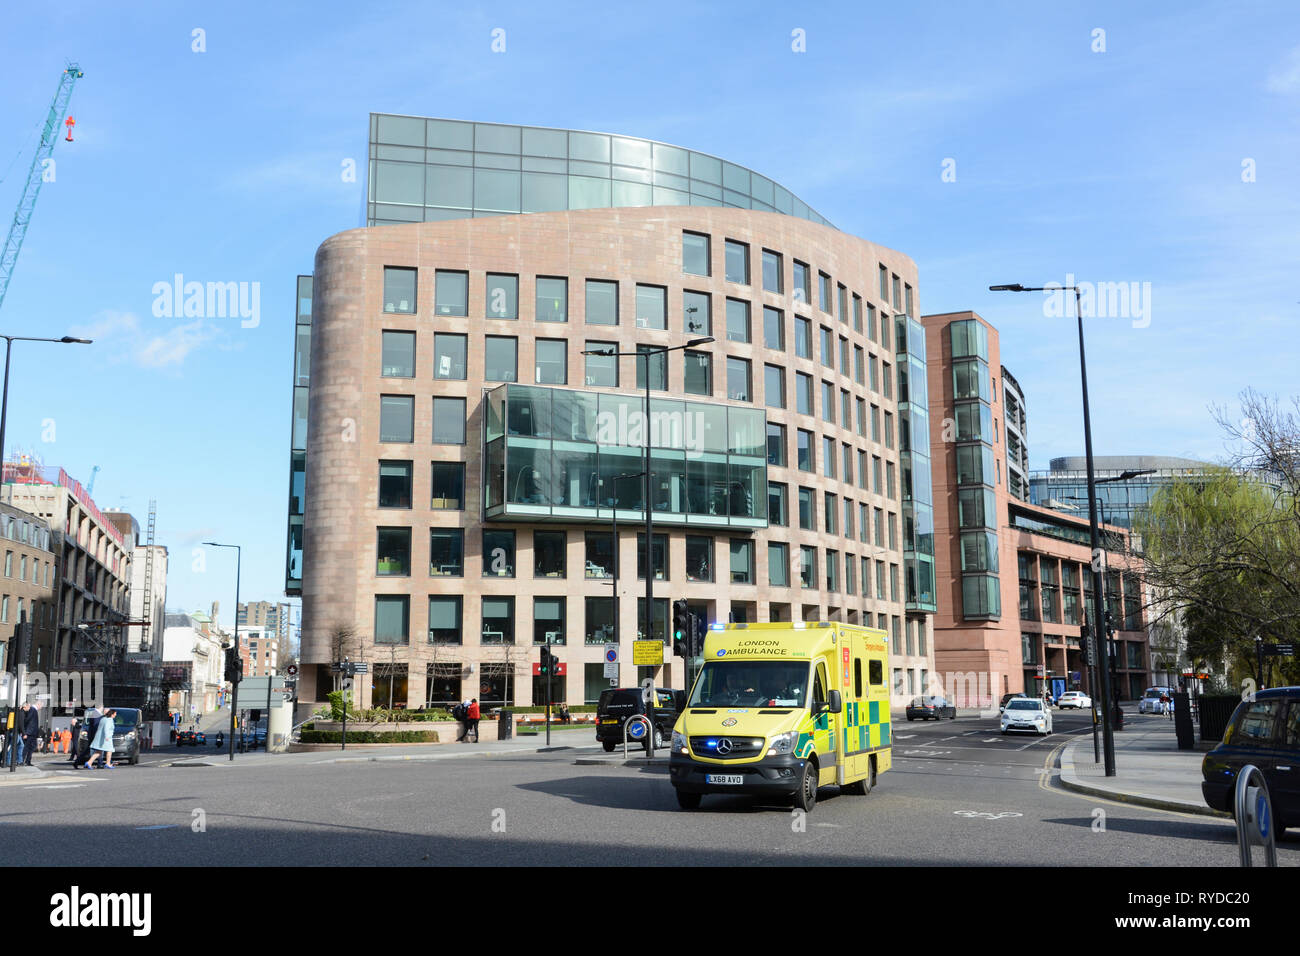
{"points": [[781, 709]]}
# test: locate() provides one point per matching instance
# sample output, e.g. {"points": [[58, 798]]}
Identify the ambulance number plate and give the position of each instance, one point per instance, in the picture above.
{"points": [[729, 778]]}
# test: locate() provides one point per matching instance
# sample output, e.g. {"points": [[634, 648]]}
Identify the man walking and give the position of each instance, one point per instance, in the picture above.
{"points": [[29, 725]]}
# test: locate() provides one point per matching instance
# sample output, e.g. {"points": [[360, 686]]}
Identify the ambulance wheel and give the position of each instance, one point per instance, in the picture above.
{"points": [[609, 746], [688, 801], [805, 797], [863, 787]]}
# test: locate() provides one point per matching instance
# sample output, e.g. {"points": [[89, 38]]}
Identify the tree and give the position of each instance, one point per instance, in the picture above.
{"points": [[1222, 549], [344, 641]]}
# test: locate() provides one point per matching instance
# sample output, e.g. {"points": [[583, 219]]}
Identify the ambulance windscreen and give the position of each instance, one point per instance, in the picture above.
{"points": [[751, 684]]}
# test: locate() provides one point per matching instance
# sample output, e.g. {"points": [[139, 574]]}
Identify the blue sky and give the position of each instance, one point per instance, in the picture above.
{"points": [[1117, 166]]}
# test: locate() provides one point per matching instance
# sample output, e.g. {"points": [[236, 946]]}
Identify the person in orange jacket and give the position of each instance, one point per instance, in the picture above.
{"points": [[472, 717]]}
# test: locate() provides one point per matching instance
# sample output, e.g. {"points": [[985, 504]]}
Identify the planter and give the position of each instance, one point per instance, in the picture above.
{"points": [[447, 730]]}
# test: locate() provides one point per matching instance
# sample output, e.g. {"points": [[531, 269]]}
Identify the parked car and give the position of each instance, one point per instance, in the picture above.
{"points": [[617, 704], [931, 708], [1265, 732], [1076, 699], [1027, 713], [1149, 702], [1002, 704]]}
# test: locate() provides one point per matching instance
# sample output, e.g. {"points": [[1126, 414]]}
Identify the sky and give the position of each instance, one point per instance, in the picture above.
{"points": [[1155, 145]]}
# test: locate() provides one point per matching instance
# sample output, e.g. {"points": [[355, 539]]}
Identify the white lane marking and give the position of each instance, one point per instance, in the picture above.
{"points": [[159, 826], [925, 753], [55, 786], [903, 736], [985, 815]]}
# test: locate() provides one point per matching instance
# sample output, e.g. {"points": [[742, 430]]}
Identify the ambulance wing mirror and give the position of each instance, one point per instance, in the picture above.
{"points": [[836, 704]]}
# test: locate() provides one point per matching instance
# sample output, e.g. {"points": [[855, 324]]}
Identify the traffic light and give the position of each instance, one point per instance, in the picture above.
{"points": [[1110, 623], [234, 665], [548, 661], [682, 620]]}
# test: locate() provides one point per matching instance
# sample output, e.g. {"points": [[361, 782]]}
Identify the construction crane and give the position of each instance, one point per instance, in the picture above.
{"points": [[36, 176], [90, 488]]}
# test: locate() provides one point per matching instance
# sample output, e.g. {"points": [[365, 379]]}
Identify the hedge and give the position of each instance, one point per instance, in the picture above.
{"points": [[370, 737]]}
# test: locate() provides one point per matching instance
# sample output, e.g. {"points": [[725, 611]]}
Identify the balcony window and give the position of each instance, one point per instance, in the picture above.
{"points": [[399, 290]]}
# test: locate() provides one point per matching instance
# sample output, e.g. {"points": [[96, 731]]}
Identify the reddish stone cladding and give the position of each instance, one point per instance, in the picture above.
{"points": [[640, 245]]}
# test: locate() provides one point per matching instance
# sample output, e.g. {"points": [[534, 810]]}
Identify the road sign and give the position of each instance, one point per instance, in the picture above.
{"points": [[292, 670], [1278, 650], [252, 691], [647, 653], [360, 667], [611, 660]]}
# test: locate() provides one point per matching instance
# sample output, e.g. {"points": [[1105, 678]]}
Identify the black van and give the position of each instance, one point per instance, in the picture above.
{"points": [[619, 703], [1264, 731], [126, 734]]}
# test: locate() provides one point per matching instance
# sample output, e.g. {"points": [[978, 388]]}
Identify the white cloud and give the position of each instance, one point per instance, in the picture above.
{"points": [[1286, 78], [126, 341]]}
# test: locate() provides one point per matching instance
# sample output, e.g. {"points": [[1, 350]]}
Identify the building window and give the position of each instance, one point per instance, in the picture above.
{"points": [[824, 290], [449, 355], [660, 557], [451, 293], [602, 370], [774, 386], [502, 296], [848, 518], [776, 445], [738, 382], [551, 365], [742, 561], [777, 513], [807, 567], [395, 483], [737, 263], [599, 627], [449, 421], [548, 620], [828, 347], [498, 554], [884, 283], [737, 320], [803, 393], [803, 338], [803, 451], [695, 254], [697, 312], [399, 290], [807, 510], [651, 307], [552, 299], [501, 358], [857, 312], [828, 402], [602, 302], [802, 292], [445, 616], [774, 328], [498, 620], [446, 552], [778, 564], [699, 558], [850, 564], [656, 363], [600, 554], [396, 418], [832, 570], [392, 619], [698, 373], [549, 553], [448, 487], [398, 359], [828, 457], [772, 272], [830, 509]]}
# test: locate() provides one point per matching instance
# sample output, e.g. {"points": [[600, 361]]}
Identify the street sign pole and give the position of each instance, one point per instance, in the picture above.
{"points": [[347, 681], [550, 664]]}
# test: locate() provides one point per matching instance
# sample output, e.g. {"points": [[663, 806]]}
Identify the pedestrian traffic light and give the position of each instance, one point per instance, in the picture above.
{"points": [[682, 618]]}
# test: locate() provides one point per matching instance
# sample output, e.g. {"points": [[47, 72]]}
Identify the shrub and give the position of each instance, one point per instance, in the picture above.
{"points": [[370, 737]]}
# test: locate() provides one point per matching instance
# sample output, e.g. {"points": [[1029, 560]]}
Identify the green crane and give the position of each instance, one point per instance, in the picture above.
{"points": [[36, 175]]}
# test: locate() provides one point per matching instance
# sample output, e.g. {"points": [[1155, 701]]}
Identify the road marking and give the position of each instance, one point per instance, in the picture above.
{"points": [[924, 753], [55, 786], [903, 736], [159, 826], [985, 815]]}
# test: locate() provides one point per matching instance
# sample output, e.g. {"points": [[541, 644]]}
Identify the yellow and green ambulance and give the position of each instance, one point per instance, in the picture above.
{"points": [[781, 709]]}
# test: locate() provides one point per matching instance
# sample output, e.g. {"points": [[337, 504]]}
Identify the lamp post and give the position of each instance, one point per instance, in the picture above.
{"points": [[1098, 616], [4, 415], [644, 352], [234, 687]]}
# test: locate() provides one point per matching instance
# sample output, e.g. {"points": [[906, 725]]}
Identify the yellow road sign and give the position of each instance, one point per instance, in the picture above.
{"points": [[647, 653]]}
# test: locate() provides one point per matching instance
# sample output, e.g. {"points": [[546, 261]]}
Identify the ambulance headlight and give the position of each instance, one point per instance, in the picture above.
{"points": [[782, 744], [678, 744]]}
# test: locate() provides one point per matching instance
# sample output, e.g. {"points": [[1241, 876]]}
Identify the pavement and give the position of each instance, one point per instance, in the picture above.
{"points": [[1150, 770]]}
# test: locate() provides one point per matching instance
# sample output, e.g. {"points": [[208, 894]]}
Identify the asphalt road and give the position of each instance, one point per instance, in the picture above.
{"points": [[959, 794]]}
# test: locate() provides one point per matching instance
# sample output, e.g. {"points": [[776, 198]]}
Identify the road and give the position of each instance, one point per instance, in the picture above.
{"points": [[959, 794]]}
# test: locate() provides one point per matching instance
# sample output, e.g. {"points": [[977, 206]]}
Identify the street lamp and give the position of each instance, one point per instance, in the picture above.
{"points": [[1098, 616], [234, 687], [644, 352]]}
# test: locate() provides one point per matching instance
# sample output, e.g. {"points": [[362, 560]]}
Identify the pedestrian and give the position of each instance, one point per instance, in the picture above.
{"points": [[89, 724], [473, 715], [29, 726], [460, 714], [71, 738], [102, 745]]}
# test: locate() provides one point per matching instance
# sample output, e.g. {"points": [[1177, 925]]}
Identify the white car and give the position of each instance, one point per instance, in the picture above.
{"points": [[1149, 703], [1027, 713], [1074, 698]]}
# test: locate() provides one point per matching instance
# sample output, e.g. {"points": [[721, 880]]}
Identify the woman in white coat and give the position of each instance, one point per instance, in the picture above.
{"points": [[103, 742]]}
